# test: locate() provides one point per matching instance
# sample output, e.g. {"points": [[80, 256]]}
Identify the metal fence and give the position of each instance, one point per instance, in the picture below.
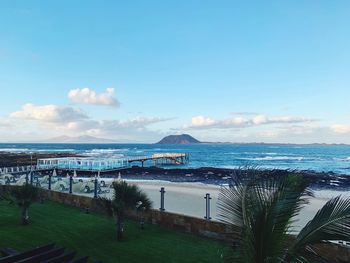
{"points": [[165, 200]]}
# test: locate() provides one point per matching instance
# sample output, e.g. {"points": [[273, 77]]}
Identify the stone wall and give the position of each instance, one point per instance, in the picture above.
{"points": [[180, 222]]}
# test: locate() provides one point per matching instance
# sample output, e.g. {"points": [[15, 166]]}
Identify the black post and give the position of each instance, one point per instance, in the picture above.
{"points": [[31, 178], [207, 207], [162, 192], [27, 178], [50, 175], [70, 183], [95, 188]]}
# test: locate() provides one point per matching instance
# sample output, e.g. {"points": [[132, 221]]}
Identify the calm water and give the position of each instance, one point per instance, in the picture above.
{"points": [[334, 158]]}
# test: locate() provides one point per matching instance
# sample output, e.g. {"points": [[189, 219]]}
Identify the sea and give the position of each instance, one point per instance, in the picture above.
{"points": [[316, 157]]}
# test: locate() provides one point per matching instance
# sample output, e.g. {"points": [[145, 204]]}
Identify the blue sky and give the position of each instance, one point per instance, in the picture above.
{"points": [[272, 71]]}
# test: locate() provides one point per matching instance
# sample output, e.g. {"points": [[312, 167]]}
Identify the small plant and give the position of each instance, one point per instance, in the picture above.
{"points": [[126, 197], [24, 196]]}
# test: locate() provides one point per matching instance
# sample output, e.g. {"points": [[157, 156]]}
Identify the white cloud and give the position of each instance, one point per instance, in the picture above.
{"points": [[202, 122], [5, 123], [260, 119], [89, 96], [341, 128], [49, 113]]}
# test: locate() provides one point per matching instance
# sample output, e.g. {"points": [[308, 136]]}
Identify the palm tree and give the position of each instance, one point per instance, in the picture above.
{"points": [[261, 211], [126, 197], [24, 196]]}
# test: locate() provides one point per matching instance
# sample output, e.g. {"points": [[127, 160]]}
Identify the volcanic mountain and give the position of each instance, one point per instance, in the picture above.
{"points": [[178, 139]]}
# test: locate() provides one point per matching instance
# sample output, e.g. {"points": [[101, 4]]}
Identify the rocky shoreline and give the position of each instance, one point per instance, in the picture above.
{"points": [[207, 175], [219, 176]]}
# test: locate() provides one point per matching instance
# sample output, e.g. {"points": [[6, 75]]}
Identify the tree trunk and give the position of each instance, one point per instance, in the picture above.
{"points": [[25, 217], [120, 229]]}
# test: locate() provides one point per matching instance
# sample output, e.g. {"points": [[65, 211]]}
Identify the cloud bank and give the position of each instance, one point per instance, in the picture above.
{"points": [[55, 120], [202, 122]]}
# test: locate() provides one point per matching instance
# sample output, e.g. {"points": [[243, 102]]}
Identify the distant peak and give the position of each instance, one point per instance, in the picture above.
{"points": [[178, 139]]}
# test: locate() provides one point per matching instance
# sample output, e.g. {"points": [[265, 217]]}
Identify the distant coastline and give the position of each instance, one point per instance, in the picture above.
{"points": [[155, 143]]}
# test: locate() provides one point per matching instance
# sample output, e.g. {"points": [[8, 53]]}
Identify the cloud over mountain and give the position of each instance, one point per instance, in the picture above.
{"points": [[49, 113]]}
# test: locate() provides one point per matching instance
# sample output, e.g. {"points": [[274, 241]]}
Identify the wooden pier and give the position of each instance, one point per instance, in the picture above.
{"points": [[99, 164]]}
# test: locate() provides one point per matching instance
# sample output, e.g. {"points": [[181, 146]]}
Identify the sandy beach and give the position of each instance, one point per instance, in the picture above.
{"points": [[188, 199]]}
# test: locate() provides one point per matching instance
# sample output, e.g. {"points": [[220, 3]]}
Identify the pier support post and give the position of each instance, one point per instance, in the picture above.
{"points": [[50, 175], [162, 192], [70, 183], [207, 207], [95, 187]]}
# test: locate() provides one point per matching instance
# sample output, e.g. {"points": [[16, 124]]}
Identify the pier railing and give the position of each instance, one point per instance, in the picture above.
{"points": [[110, 164]]}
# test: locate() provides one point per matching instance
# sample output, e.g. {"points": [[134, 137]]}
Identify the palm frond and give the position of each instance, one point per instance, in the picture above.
{"points": [[262, 207], [331, 223], [231, 204], [127, 196], [144, 202]]}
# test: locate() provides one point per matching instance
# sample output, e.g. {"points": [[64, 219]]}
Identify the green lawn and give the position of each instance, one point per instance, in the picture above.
{"points": [[94, 235]]}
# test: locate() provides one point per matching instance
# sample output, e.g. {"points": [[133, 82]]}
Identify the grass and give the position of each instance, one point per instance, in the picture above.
{"points": [[94, 235]]}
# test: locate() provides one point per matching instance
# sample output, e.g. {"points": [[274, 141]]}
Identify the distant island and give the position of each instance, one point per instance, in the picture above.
{"points": [[178, 139]]}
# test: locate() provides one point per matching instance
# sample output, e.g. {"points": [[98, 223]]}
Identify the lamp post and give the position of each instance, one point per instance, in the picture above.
{"points": [[162, 192], [95, 187], [31, 161], [207, 207]]}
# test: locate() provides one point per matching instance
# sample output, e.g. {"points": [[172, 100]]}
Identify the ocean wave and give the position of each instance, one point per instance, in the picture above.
{"points": [[106, 151], [345, 159], [232, 153], [51, 150], [274, 158], [14, 150], [254, 153], [26, 150]]}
